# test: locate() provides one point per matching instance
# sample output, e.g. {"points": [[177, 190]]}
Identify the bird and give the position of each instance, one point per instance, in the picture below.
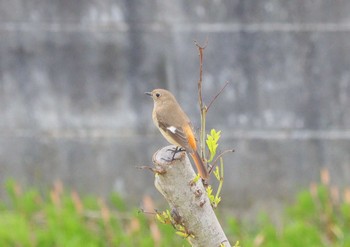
{"points": [[175, 126]]}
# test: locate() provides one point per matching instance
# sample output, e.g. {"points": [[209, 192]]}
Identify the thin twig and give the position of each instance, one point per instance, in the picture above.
{"points": [[217, 95], [156, 170], [141, 210], [202, 46], [200, 97], [200, 50], [218, 157], [145, 167], [93, 214]]}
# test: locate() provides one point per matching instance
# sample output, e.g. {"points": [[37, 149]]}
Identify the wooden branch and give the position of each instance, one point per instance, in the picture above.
{"points": [[188, 199]]}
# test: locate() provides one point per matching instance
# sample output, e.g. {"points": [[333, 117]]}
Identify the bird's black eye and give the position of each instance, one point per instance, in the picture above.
{"points": [[157, 95]]}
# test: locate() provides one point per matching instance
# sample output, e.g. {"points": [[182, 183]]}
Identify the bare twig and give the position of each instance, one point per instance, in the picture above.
{"points": [[200, 97], [141, 210], [218, 157], [200, 50], [202, 46], [95, 214], [203, 108], [156, 170], [217, 95]]}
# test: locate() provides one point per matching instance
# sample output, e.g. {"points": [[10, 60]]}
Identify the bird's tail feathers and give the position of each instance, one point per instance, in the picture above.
{"points": [[203, 172]]}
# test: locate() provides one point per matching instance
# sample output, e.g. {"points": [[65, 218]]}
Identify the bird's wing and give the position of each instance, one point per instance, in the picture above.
{"points": [[177, 133]]}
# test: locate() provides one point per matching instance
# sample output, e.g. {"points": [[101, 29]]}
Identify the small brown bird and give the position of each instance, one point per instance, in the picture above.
{"points": [[175, 126]]}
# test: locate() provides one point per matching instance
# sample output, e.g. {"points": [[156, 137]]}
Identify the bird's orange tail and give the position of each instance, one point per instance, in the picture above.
{"points": [[203, 172]]}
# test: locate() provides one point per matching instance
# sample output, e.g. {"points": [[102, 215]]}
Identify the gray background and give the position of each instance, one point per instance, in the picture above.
{"points": [[73, 73]]}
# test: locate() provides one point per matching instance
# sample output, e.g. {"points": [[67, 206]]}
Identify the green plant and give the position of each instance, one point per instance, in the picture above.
{"points": [[319, 217], [61, 218]]}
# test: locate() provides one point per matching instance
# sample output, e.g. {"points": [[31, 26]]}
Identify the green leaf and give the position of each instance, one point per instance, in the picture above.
{"points": [[195, 180], [237, 244], [160, 218], [212, 143], [164, 217], [182, 234], [217, 173]]}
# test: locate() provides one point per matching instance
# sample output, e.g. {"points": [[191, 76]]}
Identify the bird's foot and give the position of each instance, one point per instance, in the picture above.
{"points": [[174, 151]]}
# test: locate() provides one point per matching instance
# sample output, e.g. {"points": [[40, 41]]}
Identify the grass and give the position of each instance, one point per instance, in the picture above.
{"points": [[320, 216]]}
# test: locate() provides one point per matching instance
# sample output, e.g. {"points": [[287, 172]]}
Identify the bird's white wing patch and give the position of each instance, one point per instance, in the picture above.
{"points": [[172, 129]]}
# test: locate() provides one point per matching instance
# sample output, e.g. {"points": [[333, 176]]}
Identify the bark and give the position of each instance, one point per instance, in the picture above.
{"points": [[188, 201]]}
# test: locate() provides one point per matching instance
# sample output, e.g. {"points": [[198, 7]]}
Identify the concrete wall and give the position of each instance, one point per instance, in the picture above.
{"points": [[73, 73]]}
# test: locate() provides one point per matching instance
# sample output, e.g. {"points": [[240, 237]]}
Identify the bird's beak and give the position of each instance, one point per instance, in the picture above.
{"points": [[148, 93]]}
